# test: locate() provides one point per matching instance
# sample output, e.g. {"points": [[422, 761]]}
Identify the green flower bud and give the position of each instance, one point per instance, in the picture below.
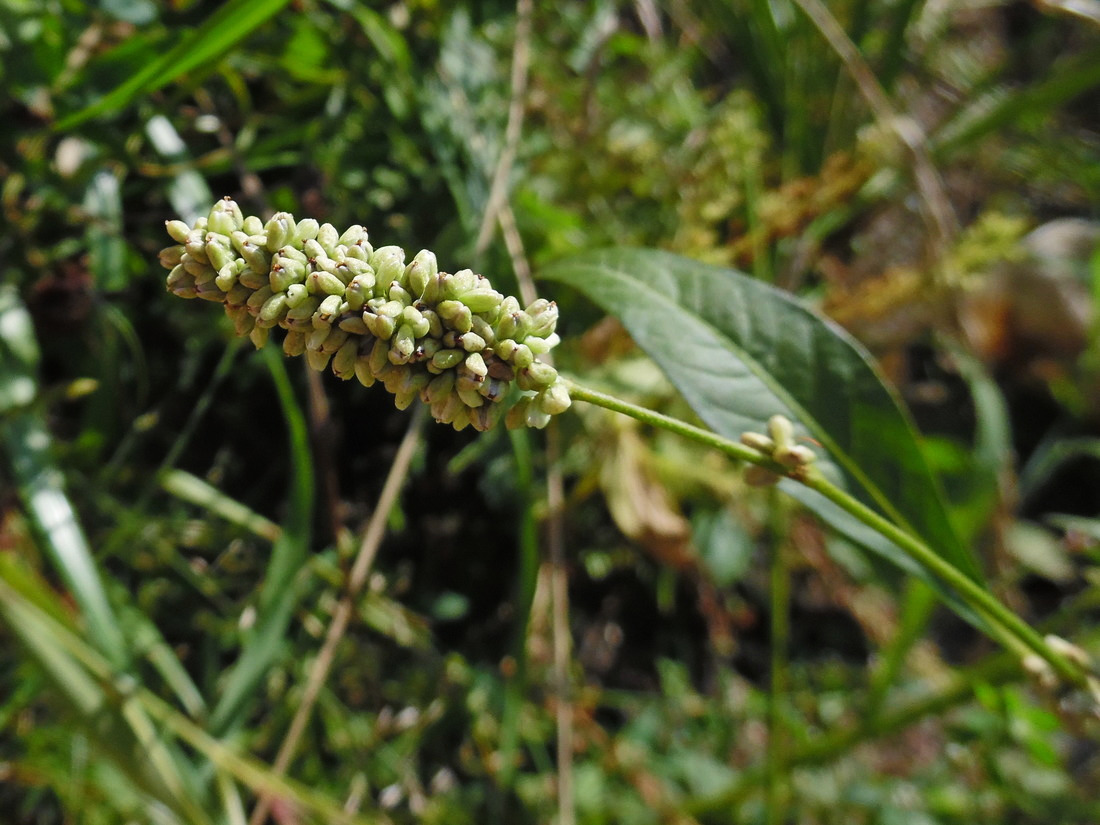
{"points": [[196, 246], [304, 309], [343, 361], [404, 343], [480, 327], [335, 339], [258, 298], [379, 357], [318, 360], [399, 294], [306, 230], [359, 290], [329, 308], [244, 323], [328, 238], [324, 283], [225, 217], [522, 357], [256, 255], [471, 342], [544, 318], [353, 323], [426, 348], [253, 279], [475, 364], [459, 282], [227, 275], [480, 300], [170, 256], [759, 442], [389, 264], [294, 254], [555, 399], [259, 336], [361, 251], [238, 296], [353, 235], [447, 358], [253, 226], [517, 415], [470, 397], [380, 326], [178, 230], [435, 323], [294, 343], [485, 418], [281, 277], [362, 371], [537, 417], [273, 310], [438, 389], [492, 390], [536, 376], [420, 271], [417, 322], [541, 345], [781, 430], [512, 325], [179, 276], [195, 267], [209, 292]]}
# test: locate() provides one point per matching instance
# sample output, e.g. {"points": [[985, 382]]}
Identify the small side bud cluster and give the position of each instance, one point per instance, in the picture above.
{"points": [[449, 339], [779, 446]]}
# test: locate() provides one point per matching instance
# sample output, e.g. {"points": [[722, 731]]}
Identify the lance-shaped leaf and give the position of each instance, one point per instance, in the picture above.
{"points": [[740, 351]]}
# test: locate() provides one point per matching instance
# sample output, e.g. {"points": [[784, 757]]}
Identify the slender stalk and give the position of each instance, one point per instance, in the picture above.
{"points": [[1012, 629], [780, 621]]}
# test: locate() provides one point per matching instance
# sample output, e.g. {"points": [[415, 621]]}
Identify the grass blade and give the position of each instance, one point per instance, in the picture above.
{"points": [[204, 46]]}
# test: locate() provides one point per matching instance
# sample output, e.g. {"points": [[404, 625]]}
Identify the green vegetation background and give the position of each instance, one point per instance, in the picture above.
{"points": [[221, 492]]}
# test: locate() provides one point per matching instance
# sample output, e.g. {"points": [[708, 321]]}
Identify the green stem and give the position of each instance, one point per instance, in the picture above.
{"points": [[780, 586], [1014, 630]]}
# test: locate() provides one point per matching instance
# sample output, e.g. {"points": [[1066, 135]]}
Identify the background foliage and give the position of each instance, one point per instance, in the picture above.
{"points": [[180, 510]]}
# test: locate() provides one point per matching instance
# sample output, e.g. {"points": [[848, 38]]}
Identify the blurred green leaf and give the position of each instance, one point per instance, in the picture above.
{"points": [[26, 442], [204, 46], [280, 592], [106, 248], [741, 351], [187, 192]]}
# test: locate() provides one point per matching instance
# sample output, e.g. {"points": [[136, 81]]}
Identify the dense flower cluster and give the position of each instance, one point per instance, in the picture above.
{"points": [[450, 339]]}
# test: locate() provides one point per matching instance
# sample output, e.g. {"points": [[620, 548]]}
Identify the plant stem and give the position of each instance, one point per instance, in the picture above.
{"points": [[780, 631], [1013, 628]]}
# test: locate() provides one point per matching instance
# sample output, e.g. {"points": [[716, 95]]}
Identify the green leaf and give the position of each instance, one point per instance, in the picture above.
{"points": [[740, 351], [280, 591], [106, 249], [25, 442], [207, 44]]}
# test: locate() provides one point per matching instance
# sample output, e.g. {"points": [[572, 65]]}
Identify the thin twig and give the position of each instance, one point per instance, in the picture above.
{"points": [[498, 190], [937, 207], [368, 549]]}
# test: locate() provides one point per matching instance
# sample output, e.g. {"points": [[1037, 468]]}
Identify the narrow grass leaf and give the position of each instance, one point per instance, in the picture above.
{"points": [[741, 351], [190, 488], [26, 442], [204, 46], [279, 593], [106, 248]]}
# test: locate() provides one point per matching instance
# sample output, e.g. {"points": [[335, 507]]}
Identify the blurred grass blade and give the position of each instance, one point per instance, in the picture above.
{"points": [[106, 248], [279, 593], [81, 663], [192, 489], [204, 46], [187, 191], [114, 722], [740, 351], [1000, 107], [26, 441]]}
